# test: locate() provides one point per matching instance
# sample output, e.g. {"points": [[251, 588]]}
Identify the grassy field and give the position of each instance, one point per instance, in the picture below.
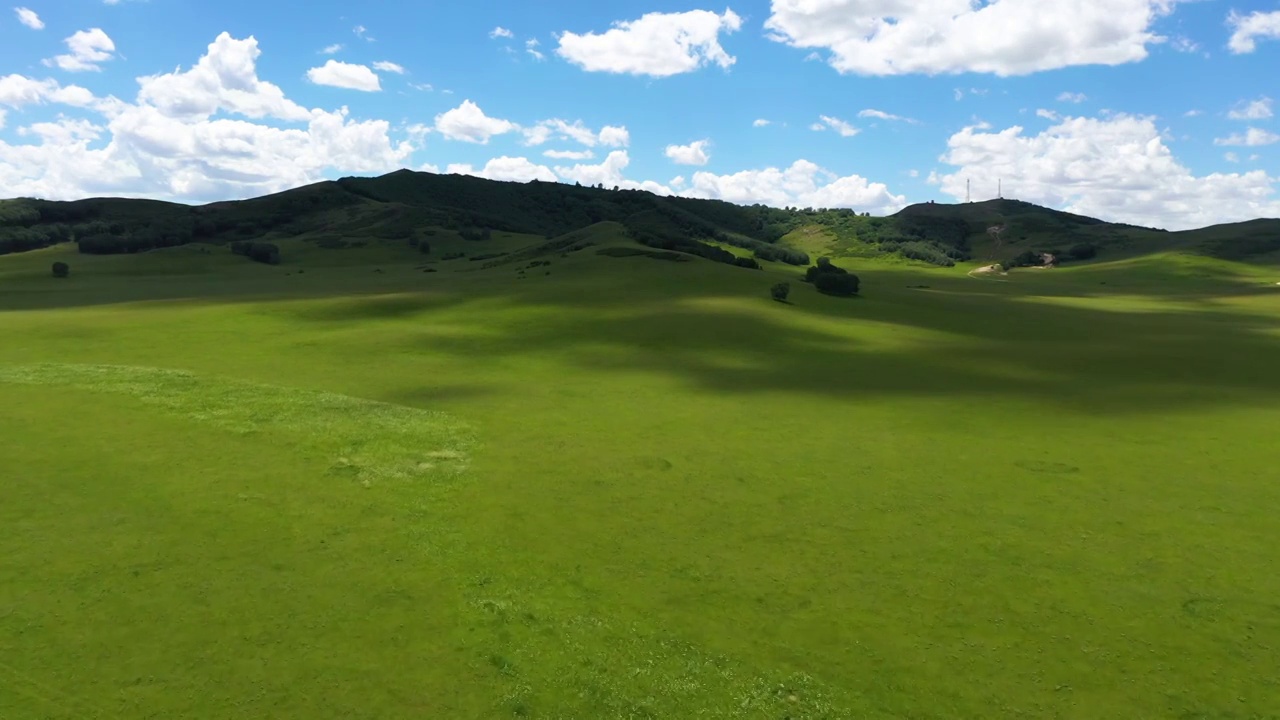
{"points": [[628, 488]]}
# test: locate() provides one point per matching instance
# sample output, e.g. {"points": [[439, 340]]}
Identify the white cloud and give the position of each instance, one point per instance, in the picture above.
{"points": [[424, 87], [387, 66], [468, 123], [1047, 114], [1231, 157], [225, 78], [761, 123], [168, 143], [336, 73], [362, 32], [1193, 113], [1116, 168], [1002, 37], [1259, 109], [1072, 97], [657, 45], [803, 184], [609, 173], [332, 49], [18, 90], [88, 49], [1253, 137], [1247, 29], [614, 136], [840, 126], [694, 153], [531, 47], [569, 154], [506, 168], [501, 32], [576, 131], [28, 17], [881, 115]]}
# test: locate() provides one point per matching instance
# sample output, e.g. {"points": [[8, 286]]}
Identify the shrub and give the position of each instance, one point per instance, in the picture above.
{"points": [[747, 262], [774, 253], [61, 270], [424, 247], [781, 291]]}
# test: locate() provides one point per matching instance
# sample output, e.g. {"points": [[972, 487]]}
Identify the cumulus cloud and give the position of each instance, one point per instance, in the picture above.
{"points": [[226, 77], [803, 184], [332, 49], [1117, 168], [513, 169], [614, 136], [840, 126], [170, 142], [1047, 114], [501, 32], [88, 49], [531, 47], [386, 66], [468, 123], [1259, 109], [1253, 137], [28, 17], [1072, 97], [656, 45], [1246, 30], [761, 123], [610, 174], [18, 90], [695, 153], [1001, 37], [336, 73]]}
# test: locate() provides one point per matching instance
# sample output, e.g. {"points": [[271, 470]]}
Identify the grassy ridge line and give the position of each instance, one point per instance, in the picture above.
{"points": [[370, 441]]}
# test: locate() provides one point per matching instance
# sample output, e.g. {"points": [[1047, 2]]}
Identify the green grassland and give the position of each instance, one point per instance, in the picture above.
{"points": [[621, 487]]}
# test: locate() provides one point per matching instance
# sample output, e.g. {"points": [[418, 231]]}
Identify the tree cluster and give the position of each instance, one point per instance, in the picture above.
{"points": [[832, 280], [261, 252]]}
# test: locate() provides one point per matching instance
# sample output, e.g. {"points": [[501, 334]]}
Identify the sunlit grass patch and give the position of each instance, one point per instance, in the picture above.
{"points": [[369, 441]]}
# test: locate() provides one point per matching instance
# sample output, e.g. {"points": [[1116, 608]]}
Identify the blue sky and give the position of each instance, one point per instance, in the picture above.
{"points": [[1157, 112]]}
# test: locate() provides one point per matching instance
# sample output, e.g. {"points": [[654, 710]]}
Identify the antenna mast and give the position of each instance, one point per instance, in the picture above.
{"points": [[1000, 188], [968, 194]]}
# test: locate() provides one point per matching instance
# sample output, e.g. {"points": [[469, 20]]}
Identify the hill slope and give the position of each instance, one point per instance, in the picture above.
{"points": [[403, 203]]}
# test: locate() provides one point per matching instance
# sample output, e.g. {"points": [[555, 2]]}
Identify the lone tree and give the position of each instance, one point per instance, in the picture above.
{"points": [[61, 270], [781, 291]]}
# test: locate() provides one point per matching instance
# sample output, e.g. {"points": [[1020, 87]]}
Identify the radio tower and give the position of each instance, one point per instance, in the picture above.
{"points": [[968, 194], [1000, 189]]}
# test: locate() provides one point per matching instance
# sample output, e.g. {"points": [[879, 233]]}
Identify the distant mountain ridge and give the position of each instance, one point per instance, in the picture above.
{"points": [[397, 204]]}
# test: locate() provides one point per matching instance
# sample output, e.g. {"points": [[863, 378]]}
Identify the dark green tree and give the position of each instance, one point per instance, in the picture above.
{"points": [[781, 291], [61, 270]]}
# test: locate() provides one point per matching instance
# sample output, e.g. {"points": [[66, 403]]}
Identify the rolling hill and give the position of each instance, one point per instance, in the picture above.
{"points": [[402, 204]]}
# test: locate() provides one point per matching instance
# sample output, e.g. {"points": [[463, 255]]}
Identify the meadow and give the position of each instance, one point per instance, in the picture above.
{"points": [[618, 487]]}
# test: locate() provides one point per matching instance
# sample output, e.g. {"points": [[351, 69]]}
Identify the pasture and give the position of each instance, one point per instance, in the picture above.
{"points": [[626, 488]]}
